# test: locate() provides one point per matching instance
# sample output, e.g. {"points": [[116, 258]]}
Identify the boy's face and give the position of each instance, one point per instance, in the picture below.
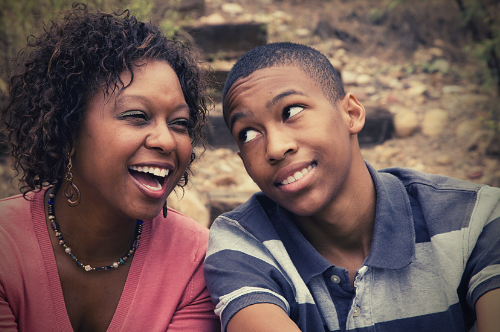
{"points": [[293, 142]]}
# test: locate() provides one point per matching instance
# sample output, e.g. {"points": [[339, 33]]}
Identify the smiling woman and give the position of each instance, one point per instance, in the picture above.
{"points": [[103, 114]]}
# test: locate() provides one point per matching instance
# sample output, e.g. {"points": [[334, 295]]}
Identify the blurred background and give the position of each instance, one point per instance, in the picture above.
{"points": [[427, 72]]}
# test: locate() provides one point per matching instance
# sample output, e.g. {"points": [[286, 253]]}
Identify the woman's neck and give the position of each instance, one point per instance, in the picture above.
{"points": [[95, 235]]}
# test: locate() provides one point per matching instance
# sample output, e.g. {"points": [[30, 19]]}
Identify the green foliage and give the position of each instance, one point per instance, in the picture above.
{"points": [[21, 18], [482, 18]]}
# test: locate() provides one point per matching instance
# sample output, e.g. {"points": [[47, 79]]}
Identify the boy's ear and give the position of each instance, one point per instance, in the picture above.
{"points": [[355, 113]]}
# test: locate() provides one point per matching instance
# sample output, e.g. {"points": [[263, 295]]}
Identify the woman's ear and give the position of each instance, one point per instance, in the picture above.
{"points": [[355, 113]]}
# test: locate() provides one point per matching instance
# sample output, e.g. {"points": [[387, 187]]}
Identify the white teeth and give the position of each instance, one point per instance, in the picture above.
{"points": [[156, 171], [297, 175], [158, 186]]}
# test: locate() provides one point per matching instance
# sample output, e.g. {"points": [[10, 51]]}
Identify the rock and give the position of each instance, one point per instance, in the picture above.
{"points": [[388, 152], [447, 89], [191, 204], [225, 181], [238, 38], [325, 30], [417, 89], [475, 173], [467, 128], [440, 65], [364, 79], [302, 32], [434, 122], [480, 140], [435, 51], [422, 56], [223, 201], [232, 8], [348, 78], [215, 18], [379, 126], [405, 123], [337, 64], [443, 160], [493, 148]]}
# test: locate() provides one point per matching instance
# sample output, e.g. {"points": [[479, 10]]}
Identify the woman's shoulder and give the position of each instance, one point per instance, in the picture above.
{"points": [[179, 237], [15, 208]]}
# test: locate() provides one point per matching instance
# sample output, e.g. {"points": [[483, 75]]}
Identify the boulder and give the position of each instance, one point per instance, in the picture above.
{"points": [[405, 123], [434, 122]]}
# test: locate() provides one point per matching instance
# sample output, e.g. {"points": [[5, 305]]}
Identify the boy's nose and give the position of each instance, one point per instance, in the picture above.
{"points": [[279, 144], [160, 138]]}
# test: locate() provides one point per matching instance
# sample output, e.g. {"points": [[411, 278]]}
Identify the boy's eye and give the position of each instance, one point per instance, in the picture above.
{"points": [[290, 111], [247, 135]]}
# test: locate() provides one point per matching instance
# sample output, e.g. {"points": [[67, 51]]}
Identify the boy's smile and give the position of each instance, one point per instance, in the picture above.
{"points": [[293, 142]]}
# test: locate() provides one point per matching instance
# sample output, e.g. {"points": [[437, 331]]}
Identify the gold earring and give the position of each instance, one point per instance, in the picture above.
{"points": [[71, 191], [165, 209]]}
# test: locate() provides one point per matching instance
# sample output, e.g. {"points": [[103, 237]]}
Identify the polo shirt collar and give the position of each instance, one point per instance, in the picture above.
{"points": [[393, 244]]}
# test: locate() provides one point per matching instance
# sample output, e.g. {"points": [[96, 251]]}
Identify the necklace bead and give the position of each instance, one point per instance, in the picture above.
{"points": [[121, 261]]}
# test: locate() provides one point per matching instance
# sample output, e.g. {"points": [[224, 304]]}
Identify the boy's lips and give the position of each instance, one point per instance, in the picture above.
{"points": [[292, 173]]}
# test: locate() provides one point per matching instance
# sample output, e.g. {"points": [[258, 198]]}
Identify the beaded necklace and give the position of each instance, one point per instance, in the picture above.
{"points": [[87, 268]]}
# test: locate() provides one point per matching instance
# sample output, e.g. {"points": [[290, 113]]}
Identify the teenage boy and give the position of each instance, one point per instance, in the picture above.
{"points": [[330, 244]]}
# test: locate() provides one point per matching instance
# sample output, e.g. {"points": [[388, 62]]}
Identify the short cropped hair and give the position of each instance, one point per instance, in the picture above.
{"points": [[59, 71], [310, 61]]}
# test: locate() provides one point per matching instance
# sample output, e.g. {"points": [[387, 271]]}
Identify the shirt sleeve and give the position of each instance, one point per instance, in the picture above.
{"points": [[196, 310], [7, 319], [483, 265], [240, 271]]}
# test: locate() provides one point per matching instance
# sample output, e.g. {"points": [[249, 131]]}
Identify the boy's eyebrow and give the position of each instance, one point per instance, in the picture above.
{"points": [[283, 95], [235, 117], [240, 115]]}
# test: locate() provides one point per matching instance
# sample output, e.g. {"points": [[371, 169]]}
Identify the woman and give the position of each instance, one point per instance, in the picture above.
{"points": [[101, 120]]}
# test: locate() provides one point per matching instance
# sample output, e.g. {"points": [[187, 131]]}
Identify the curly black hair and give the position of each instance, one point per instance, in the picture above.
{"points": [[59, 71]]}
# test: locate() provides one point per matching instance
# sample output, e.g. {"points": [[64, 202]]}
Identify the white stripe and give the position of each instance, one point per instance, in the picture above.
{"points": [[230, 235], [483, 275], [487, 209], [226, 299], [277, 249], [418, 289]]}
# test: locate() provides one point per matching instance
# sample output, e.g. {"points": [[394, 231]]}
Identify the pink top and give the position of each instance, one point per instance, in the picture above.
{"points": [[165, 288]]}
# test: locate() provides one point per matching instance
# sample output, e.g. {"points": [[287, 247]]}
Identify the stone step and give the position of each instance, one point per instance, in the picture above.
{"points": [[227, 41]]}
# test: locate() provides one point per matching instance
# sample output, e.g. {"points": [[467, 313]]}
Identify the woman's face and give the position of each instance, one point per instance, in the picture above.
{"points": [[133, 146]]}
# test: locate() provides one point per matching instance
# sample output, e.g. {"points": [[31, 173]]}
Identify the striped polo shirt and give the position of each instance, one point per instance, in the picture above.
{"points": [[435, 251]]}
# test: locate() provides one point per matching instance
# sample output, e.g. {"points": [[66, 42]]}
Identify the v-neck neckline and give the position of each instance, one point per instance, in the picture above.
{"points": [[131, 284]]}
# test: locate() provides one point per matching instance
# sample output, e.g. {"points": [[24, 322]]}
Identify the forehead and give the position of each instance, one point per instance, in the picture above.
{"points": [[265, 85]]}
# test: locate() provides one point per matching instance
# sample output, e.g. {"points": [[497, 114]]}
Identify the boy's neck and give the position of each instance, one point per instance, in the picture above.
{"points": [[343, 232]]}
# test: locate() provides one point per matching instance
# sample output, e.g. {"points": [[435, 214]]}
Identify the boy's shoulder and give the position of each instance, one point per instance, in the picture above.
{"points": [[409, 177], [256, 217], [257, 207]]}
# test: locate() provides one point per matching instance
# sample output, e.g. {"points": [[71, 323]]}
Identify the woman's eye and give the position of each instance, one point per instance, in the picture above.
{"points": [[290, 111], [180, 124], [134, 115], [247, 135]]}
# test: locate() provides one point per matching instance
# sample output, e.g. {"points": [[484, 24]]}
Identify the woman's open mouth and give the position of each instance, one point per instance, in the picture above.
{"points": [[150, 177]]}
